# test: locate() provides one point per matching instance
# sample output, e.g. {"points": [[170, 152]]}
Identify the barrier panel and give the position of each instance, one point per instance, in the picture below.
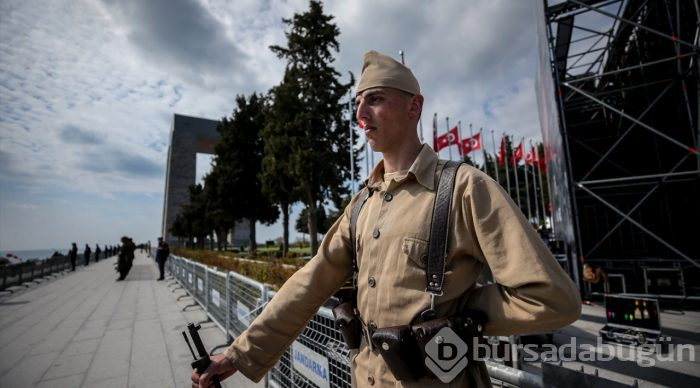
{"points": [[246, 298], [317, 358], [200, 284], [189, 281], [217, 297]]}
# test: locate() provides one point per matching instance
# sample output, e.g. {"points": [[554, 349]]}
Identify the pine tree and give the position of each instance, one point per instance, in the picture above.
{"points": [[318, 127]]}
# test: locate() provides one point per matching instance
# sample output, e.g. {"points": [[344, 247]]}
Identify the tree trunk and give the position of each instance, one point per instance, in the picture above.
{"points": [[313, 231], [253, 244], [285, 226]]}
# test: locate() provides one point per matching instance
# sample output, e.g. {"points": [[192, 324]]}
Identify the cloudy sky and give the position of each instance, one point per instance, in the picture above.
{"points": [[88, 90]]}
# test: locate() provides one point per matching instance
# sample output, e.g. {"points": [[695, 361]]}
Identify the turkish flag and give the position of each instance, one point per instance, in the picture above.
{"points": [[530, 157], [517, 153], [471, 144], [447, 139]]}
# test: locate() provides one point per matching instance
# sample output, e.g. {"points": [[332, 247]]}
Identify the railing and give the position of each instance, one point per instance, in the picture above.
{"points": [[232, 301], [28, 271]]}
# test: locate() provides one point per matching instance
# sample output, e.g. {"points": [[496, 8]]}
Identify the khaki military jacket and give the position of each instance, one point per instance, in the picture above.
{"points": [[531, 292]]}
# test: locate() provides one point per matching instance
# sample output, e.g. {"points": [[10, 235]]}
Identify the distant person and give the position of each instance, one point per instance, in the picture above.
{"points": [[86, 253], [73, 254], [126, 257], [162, 253], [593, 275], [97, 252]]}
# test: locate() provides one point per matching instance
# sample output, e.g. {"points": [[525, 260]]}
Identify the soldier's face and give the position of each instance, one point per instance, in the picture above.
{"points": [[384, 113]]}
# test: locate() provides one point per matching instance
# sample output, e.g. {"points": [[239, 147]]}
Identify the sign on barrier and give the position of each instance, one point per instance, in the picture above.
{"points": [[310, 364], [242, 313], [215, 297], [189, 277], [200, 284]]}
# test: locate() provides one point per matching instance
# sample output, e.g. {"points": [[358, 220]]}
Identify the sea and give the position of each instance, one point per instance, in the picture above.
{"points": [[30, 254]]}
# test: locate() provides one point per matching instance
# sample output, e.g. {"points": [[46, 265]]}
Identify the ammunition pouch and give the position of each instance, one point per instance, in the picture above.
{"points": [[403, 347], [348, 323], [399, 348]]}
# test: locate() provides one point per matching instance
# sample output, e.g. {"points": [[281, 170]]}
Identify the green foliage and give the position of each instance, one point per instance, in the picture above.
{"points": [[192, 221], [238, 159], [302, 224]]}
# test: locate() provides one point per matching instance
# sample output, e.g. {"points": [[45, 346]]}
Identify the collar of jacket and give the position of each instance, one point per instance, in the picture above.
{"points": [[422, 169]]}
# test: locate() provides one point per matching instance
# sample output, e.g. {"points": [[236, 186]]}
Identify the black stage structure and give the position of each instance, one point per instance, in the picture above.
{"points": [[618, 96]]}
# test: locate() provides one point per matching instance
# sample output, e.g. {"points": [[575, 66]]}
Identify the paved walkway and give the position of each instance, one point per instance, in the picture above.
{"points": [[84, 329]]}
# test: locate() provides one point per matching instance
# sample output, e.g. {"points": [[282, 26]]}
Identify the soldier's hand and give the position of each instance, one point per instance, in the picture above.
{"points": [[220, 366]]}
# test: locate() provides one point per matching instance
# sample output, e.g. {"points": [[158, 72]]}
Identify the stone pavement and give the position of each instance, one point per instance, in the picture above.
{"points": [[84, 329]]}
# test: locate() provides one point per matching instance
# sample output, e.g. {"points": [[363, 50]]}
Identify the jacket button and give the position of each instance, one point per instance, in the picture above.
{"points": [[388, 197], [370, 380], [372, 281], [375, 233]]}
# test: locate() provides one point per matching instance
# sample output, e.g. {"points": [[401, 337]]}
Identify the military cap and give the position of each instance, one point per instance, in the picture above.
{"points": [[379, 70]]}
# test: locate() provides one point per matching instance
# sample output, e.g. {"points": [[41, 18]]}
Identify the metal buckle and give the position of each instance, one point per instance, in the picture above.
{"points": [[430, 313]]}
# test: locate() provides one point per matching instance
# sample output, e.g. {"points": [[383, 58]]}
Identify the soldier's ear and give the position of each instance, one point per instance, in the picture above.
{"points": [[415, 106]]}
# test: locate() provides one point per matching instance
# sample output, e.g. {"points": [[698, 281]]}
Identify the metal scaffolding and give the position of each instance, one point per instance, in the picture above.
{"points": [[625, 83]]}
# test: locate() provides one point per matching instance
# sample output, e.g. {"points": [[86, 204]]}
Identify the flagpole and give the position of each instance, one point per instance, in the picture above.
{"points": [[495, 159], [534, 183], [506, 162], [527, 192], [539, 174], [483, 149], [435, 134], [449, 146], [459, 142], [517, 184], [471, 135]]}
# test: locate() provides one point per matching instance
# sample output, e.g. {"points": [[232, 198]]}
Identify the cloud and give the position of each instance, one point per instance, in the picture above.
{"points": [[75, 135], [179, 35]]}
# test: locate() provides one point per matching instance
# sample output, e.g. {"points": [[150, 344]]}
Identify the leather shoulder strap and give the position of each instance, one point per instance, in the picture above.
{"points": [[437, 246]]}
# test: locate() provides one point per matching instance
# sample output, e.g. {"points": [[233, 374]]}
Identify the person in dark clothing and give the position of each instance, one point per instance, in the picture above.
{"points": [[97, 252], [73, 254], [162, 253], [126, 257], [87, 254]]}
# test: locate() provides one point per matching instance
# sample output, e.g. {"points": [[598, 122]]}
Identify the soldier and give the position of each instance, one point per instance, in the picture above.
{"points": [[97, 252], [126, 257], [86, 254], [531, 292], [162, 253], [73, 254]]}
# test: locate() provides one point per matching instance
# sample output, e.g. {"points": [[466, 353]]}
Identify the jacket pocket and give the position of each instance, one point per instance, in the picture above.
{"points": [[416, 250]]}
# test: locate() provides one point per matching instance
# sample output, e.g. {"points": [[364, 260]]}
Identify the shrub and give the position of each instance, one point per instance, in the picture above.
{"points": [[271, 271]]}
